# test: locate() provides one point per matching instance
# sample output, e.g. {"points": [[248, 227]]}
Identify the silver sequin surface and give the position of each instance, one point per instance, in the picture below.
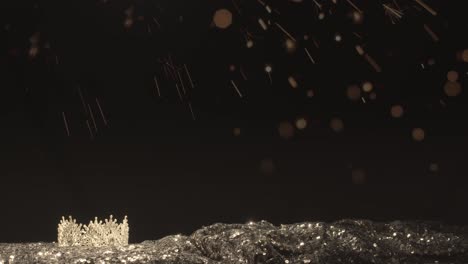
{"points": [[346, 241]]}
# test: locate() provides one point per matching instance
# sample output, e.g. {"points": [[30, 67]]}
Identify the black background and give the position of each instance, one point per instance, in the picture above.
{"points": [[171, 174]]}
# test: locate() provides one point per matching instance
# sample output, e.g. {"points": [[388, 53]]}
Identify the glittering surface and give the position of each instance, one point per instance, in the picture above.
{"points": [[346, 241]]}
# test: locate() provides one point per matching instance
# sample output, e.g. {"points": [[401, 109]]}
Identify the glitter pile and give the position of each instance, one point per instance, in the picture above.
{"points": [[346, 241]]}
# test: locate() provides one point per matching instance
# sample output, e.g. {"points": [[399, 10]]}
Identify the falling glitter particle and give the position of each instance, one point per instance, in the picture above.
{"points": [[269, 27], [293, 82]]}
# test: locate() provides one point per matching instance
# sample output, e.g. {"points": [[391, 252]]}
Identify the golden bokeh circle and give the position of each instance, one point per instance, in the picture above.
{"points": [[367, 87], [418, 134], [353, 92], [465, 55], [452, 89], [337, 125], [222, 18], [286, 130], [397, 111], [452, 76]]}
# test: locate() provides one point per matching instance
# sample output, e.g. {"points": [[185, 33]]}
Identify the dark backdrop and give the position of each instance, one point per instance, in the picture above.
{"points": [[171, 174]]}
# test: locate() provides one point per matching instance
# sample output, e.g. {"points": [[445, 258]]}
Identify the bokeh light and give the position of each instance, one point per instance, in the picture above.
{"points": [[286, 130], [337, 125], [367, 87], [418, 134], [452, 76], [397, 111], [353, 92], [358, 176], [452, 89], [301, 123], [267, 166], [222, 18]]}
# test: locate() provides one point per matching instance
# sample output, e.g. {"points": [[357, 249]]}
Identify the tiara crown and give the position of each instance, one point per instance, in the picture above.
{"points": [[96, 234]]}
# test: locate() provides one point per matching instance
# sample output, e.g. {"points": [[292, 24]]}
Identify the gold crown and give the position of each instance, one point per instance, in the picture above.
{"points": [[96, 234]]}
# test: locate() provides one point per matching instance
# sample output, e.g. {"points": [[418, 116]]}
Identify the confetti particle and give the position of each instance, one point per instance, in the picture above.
{"points": [[285, 32], [178, 92], [354, 6], [393, 11], [65, 122], [222, 18], [156, 83], [262, 24], [310, 56], [373, 63], [431, 33], [91, 135], [191, 111], [236, 88], [92, 118], [189, 76], [427, 7], [102, 112]]}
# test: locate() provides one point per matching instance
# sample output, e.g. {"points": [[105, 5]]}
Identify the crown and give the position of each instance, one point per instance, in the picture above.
{"points": [[95, 234]]}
